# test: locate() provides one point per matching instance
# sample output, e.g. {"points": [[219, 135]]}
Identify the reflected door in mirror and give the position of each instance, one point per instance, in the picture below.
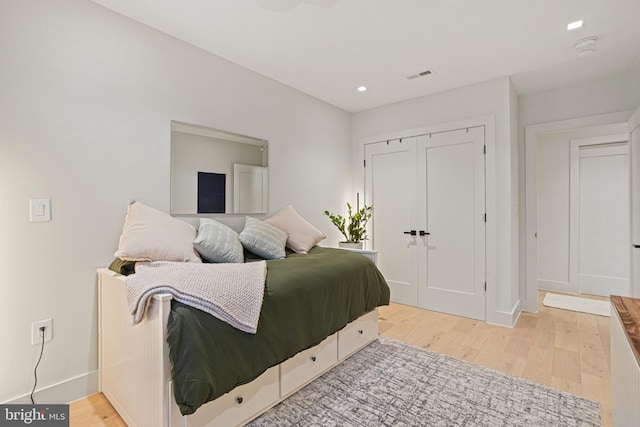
{"points": [[250, 188]]}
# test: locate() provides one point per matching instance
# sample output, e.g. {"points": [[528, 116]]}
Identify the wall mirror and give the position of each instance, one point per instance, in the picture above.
{"points": [[217, 172]]}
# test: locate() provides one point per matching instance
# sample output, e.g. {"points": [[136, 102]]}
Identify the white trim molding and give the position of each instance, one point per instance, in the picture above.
{"points": [[508, 318], [65, 391], [553, 285], [634, 120]]}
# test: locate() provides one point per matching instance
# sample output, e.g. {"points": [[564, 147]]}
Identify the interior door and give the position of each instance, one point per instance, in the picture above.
{"points": [[451, 217], [603, 219], [390, 187], [250, 188]]}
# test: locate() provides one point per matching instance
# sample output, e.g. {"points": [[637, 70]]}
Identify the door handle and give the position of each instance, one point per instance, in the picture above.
{"points": [[424, 233], [636, 246], [412, 232]]}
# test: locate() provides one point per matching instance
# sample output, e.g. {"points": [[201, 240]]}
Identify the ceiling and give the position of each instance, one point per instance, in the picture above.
{"points": [[326, 48]]}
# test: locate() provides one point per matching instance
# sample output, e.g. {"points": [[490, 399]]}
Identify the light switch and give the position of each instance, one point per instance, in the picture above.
{"points": [[40, 210]]}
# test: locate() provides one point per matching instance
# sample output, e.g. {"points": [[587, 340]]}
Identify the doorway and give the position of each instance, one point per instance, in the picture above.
{"points": [[606, 124]]}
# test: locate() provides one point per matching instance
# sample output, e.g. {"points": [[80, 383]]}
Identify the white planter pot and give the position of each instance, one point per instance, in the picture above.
{"points": [[350, 245]]}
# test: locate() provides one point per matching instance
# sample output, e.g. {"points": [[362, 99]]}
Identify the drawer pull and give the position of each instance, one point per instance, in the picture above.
{"points": [[239, 399], [360, 331], [313, 358]]}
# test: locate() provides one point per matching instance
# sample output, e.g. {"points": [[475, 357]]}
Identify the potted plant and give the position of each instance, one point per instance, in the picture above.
{"points": [[355, 229]]}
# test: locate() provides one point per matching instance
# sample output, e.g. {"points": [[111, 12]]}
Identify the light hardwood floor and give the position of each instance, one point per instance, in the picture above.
{"points": [[563, 349], [558, 348]]}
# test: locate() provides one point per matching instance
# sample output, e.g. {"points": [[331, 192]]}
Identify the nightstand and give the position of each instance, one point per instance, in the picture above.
{"points": [[372, 255]]}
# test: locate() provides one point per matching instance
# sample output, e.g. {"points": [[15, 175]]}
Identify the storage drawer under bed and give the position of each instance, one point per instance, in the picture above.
{"points": [[357, 334], [240, 404], [250, 400], [307, 365]]}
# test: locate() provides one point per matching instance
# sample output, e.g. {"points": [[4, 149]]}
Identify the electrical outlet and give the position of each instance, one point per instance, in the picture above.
{"points": [[36, 338]]}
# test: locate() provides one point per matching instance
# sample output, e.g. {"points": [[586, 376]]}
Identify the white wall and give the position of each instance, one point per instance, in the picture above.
{"points": [[608, 95], [86, 103], [635, 82], [492, 98]]}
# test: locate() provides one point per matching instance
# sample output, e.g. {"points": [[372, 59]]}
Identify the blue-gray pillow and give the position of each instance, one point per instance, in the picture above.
{"points": [[263, 239], [218, 243]]}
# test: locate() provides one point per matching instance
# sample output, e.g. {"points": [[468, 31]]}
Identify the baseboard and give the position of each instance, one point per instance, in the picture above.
{"points": [[544, 285], [508, 318], [63, 392], [555, 285]]}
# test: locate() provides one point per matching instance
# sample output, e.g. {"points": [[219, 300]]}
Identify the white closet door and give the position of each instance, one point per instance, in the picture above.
{"points": [[451, 209], [390, 186]]}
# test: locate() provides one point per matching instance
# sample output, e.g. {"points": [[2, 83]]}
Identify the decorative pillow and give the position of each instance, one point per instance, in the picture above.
{"points": [[263, 239], [218, 243], [302, 235], [151, 235]]}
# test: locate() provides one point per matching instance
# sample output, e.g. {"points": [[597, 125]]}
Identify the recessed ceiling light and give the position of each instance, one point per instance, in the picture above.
{"points": [[575, 25], [361, 88]]}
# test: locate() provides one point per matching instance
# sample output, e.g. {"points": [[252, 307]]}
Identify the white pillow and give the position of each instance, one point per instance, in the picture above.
{"points": [[218, 243], [151, 235], [263, 239], [302, 235]]}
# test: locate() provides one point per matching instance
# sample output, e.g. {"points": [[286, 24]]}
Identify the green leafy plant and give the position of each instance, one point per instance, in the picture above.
{"points": [[355, 230]]}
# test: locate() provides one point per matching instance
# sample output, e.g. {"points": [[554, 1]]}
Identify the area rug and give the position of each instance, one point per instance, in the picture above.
{"points": [[584, 305], [389, 383]]}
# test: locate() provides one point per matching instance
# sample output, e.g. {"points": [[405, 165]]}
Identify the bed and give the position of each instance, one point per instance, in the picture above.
{"points": [[182, 367]]}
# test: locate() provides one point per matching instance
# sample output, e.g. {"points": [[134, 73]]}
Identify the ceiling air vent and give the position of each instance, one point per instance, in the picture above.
{"points": [[420, 74]]}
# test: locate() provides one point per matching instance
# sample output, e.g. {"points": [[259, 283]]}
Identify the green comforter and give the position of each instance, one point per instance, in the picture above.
{"points": [[307, 298]]}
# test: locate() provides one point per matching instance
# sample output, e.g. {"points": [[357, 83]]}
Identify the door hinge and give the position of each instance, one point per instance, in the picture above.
{"points": [[485, 286], [485, 218], [365, 163], [484, 149]]}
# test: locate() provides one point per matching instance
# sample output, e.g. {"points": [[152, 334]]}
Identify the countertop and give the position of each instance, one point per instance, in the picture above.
{"points": [[628, 310]]}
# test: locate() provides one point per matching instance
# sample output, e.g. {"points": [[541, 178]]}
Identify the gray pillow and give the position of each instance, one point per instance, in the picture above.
{"points": [[218, 243], [263, 239]]}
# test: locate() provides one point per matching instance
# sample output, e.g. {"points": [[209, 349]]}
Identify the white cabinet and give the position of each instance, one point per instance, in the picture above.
{"points": [[625, 362], [634, 154]]}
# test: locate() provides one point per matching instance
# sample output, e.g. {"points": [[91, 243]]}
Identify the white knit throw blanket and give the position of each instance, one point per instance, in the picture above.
{"points": [[231, 292]]}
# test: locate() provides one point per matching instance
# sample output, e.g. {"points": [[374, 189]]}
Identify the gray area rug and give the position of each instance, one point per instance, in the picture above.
{"points": [[390, 383]]}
